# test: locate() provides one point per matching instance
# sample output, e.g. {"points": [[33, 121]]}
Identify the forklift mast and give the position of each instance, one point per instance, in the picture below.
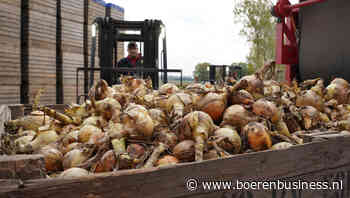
{"points": [[112, 31]]}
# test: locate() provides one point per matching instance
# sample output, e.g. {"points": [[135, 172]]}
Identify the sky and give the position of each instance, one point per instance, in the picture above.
{"points": [[197, 31]]}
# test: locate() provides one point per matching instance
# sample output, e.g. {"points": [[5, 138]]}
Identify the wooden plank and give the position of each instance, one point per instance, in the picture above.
{"points": [[22, 167], [297, 161]]}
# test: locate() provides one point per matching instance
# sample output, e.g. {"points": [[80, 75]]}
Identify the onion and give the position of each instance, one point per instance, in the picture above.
{"points": [[281, 146], [45, 136], [185, 151], [108, 108], [167, 160], [229, 140], [159, 118], [179, 105], [237, 115], [338, 90], [311, 117], [310, 98], [138, 122], [86, 132], [242, 97], [73, 173], [257, 136], [267, 110], [70, 138], [197, 126], [23, 142], [168, 89], [74, 158], [53, 158], [135, 151], [213, 104], [272, 88], [167, 138], [69, 147], [212, 154], [255, 85], [107, 162]]}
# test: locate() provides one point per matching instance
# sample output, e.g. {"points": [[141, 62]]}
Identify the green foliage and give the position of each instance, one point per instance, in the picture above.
{"points": [[201, 71], [258, 28]]}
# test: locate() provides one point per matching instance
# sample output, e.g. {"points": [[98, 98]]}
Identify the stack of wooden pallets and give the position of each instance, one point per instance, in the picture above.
{"points": [[42, 49], [10, 61], [72, 12]]}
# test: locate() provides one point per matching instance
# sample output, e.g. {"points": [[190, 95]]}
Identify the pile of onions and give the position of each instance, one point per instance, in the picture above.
{"points": [[132, 126]]}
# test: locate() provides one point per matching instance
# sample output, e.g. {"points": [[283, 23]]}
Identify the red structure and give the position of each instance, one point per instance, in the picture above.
{"points": [[286, 39]]}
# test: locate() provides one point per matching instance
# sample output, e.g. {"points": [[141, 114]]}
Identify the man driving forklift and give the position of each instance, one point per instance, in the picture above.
{"points": [[133, 59]]}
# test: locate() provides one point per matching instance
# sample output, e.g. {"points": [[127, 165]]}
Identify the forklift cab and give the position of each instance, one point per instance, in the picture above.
{"points": [[150, 36]]}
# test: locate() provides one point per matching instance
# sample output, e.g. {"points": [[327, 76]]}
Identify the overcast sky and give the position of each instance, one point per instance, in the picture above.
{"points": [[197, 31]]}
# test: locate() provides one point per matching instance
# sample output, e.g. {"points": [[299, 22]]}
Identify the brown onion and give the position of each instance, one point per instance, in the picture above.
{"points": [[230, 140], [242, 97], [168, 88], [107, 162], [185, 151], [212, 154], [213, 104], [257, 136], [310, 98], [53, 158], [267, 109], [311, 117], [237, 115], [339, 90], [137, 122], [167, 160]]}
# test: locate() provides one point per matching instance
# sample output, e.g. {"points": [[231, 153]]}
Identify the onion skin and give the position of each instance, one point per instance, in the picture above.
{"points": [[311, 117], [168, 89], [44, 138], [281, 146], [74, 158], [237, 115], [197, 126], [338, 90], [167, 160], [138, 122], [185, 151], [214, 105], [257, 136], [310, 98], [86, 132], [53, 158], [267, 109], [74, 173], [107, 162], [231, 140], [242, 97]]}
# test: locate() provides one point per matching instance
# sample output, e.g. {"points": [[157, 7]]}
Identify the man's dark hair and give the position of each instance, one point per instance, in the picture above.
{"points": [[132, 45]]}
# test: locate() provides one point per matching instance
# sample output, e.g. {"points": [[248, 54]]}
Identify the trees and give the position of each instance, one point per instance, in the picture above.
{"points": [[201, 71], [258, 28]]}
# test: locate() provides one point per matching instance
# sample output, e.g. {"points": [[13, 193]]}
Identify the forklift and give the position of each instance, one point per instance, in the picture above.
{"points": [[109, 32]]}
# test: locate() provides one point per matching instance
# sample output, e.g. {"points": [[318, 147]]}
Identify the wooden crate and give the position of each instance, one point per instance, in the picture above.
{"points": [[71, 61], [42, 49], [324, 158], [10, 73], [118, 13]]}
